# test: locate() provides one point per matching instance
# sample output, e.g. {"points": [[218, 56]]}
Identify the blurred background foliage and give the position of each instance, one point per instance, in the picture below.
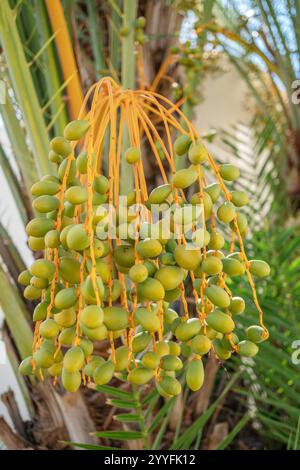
{"points": [[51, 51]]}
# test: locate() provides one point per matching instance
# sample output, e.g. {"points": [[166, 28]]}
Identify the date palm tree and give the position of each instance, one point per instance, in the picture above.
{"points": [[50, 54]]}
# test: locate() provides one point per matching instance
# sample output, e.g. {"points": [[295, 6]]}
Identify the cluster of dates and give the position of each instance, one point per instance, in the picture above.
{"points": [[93, 288]]}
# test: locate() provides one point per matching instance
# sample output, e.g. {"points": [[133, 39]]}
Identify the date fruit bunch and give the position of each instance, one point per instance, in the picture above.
{"points": [[107, 286]]}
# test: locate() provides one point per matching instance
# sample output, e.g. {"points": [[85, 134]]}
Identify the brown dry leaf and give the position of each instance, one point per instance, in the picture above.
{"points": [[9, 438], [220, 431], [176, 412]]}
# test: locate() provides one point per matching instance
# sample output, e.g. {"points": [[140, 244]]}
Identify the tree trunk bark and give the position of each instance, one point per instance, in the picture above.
{"points": [[10, 439]]}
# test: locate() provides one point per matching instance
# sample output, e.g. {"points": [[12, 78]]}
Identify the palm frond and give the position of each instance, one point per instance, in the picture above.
{"points": [[24, 88], [17, 139], [52, 74], [66, 55], [14, 184], [264, 48], [16, 315], [272, 379]]}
